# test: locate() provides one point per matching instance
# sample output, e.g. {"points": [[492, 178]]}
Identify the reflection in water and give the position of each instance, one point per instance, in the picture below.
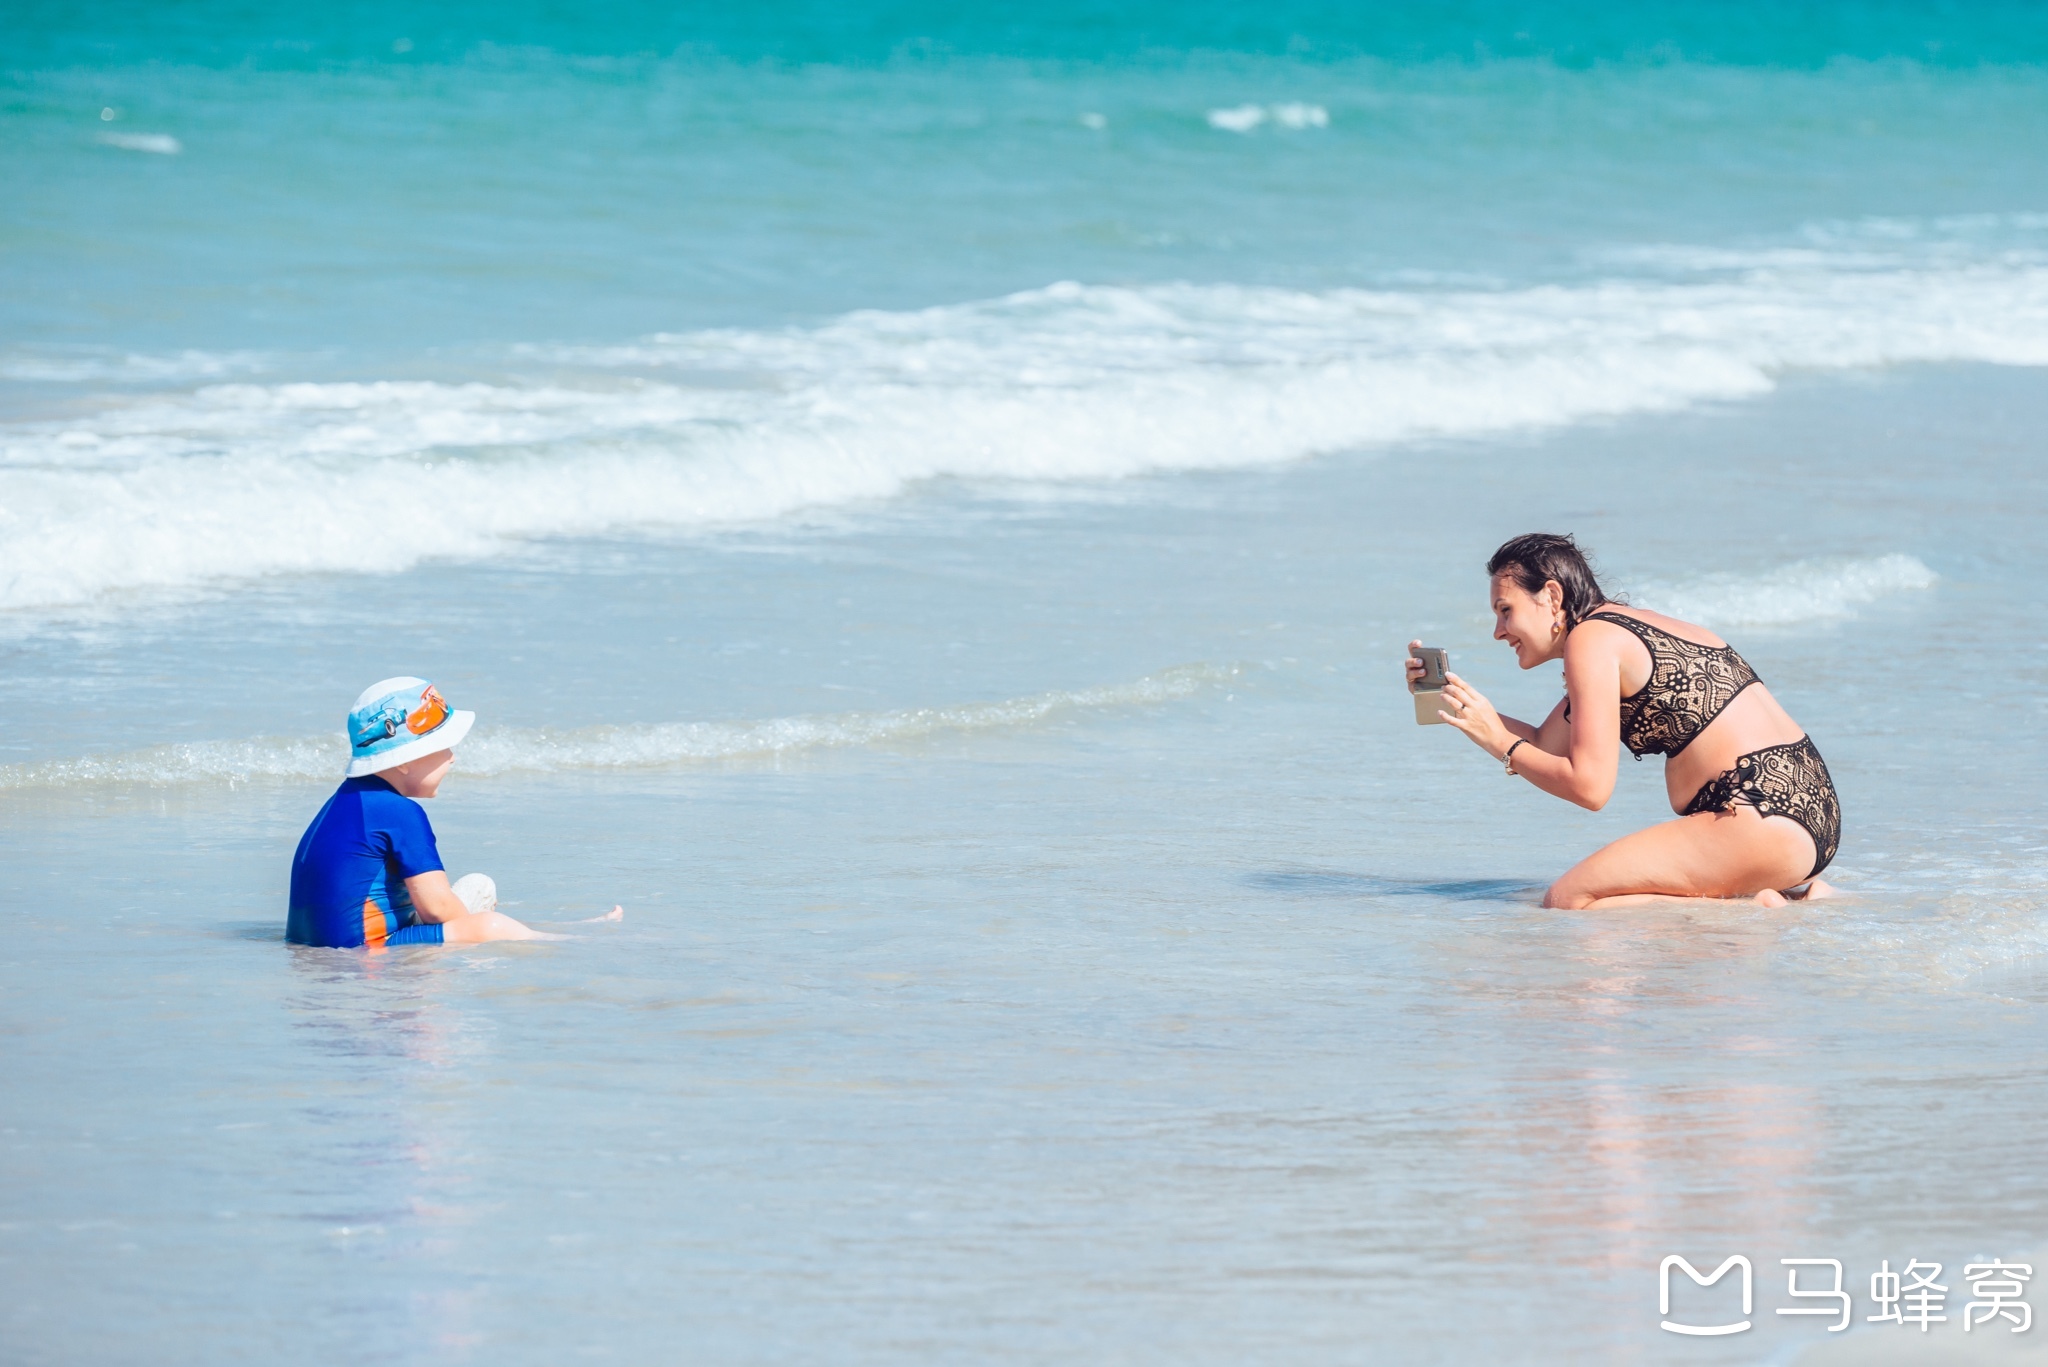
{"points": [[1684, 1134], [387, 1160], [1331, 883], [1611, 1096]]}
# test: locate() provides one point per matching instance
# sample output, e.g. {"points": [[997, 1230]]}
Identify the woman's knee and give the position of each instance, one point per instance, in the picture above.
{"points": [[1563, 895]]}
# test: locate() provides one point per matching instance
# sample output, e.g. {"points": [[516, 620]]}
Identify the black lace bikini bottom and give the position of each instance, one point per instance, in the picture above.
{"points": [[1781, 780]]}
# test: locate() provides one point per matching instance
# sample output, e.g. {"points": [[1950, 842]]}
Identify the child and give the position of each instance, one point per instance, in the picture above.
{"points": [[367, 871]]}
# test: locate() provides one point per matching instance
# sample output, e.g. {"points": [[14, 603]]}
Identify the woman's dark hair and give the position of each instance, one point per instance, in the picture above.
{"points": [[1534, 560]]}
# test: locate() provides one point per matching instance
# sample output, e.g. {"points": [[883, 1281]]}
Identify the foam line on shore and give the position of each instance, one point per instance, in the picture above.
{"points": [[1803, 591], [235, 481], [497, 751]]}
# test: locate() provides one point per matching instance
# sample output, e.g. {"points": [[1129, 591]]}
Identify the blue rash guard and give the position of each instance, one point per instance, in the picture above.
{"points": [[348, 878]]}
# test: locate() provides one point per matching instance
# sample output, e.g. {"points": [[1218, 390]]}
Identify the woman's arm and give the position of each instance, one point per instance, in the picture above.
{"points": [[1520, 729], [1552, 733], [1574, 760], [432, 899], [1554, 736]]}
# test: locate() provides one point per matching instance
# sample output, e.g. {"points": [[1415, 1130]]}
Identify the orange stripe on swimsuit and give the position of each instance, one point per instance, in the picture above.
{"points": [[376, 923]]}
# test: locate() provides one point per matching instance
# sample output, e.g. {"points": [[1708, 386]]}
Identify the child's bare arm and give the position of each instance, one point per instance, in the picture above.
{"points": [[433, 899]]}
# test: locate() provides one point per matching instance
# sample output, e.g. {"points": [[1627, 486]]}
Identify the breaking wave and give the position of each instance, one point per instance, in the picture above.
{"points": [[177, 488], [1805, 591], [515, 751]]}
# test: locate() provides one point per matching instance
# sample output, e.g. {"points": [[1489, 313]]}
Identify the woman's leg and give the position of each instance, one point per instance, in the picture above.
{"points": [[1710, 854]]}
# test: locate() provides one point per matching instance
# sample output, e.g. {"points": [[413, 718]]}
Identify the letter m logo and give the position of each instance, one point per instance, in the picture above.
{"points": [[1702, 1331]]}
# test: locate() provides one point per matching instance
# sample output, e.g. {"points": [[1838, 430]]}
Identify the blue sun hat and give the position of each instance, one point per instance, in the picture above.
{"points": [[397, 721]]}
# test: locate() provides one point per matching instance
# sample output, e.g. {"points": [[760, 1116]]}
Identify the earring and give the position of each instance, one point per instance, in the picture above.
{"points": [[1556, 629]]}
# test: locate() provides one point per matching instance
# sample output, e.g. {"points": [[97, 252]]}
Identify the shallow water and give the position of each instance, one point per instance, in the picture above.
{"points": [[1047, 932], [1218, 1024]]}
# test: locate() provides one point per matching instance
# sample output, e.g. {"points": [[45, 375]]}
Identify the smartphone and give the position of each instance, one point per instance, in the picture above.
{"points": [[1429, 689]]}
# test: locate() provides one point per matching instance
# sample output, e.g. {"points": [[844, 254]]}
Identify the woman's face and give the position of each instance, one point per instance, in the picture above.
{"points": [[1528, 621]]}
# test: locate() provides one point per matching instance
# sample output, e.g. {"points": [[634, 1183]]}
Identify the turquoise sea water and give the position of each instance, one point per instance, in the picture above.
{"points": [[534, 175], [927, 505]]}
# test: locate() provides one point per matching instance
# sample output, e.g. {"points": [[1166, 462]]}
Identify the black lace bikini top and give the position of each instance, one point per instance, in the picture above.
{"points": [[1689, 685]]}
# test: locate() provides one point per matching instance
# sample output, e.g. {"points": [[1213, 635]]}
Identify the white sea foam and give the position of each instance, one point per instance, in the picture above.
{"points": [[1244, 118], [511, 751], [1241, 118], [1298, 115], [87, 365], [163, 144], [1805, 591], [1070, 382]]}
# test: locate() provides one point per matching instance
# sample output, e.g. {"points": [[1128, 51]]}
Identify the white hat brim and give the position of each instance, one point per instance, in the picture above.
{"points": [[443, 737]]}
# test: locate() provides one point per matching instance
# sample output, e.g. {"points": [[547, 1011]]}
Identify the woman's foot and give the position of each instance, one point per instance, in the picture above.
{"points": [[1813, 890], [615, 914]]}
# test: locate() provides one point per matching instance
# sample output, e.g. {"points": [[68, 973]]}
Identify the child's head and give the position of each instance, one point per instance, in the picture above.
{"points": [[420, 777], [403, 729]]}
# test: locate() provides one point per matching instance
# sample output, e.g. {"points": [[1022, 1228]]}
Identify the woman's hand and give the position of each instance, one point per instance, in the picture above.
{"points": [[1466, 708], [1414, 663]]}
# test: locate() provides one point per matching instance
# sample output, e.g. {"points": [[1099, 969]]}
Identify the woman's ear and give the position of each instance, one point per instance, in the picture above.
{"points": [[1553, 596]]}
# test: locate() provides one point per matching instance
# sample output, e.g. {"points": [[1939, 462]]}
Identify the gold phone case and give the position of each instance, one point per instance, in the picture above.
{"points": [[1429, 689]]}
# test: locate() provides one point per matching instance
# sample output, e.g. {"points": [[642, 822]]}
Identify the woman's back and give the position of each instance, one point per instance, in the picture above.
{"points": [[1689, 696]]}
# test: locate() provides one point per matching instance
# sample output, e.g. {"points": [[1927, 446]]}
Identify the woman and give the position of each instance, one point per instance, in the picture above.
{"points": [[1758, 816]]}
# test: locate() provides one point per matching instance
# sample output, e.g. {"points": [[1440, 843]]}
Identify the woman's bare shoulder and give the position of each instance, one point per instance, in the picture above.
{"points": [[1593, 638], [1676, 626], [1595, 650]]}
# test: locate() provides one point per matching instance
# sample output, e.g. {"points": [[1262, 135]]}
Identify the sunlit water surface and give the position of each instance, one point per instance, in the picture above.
{"points": [[927, 504], [1216, 1025]]}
